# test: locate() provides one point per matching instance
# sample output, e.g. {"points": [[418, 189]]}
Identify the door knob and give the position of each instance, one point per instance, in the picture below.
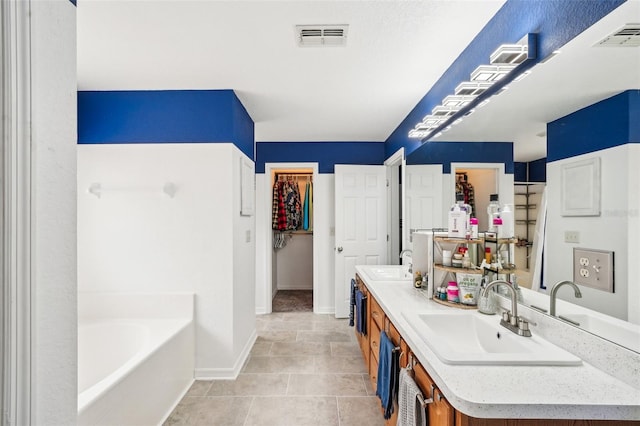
{"points": [[340, 249]]}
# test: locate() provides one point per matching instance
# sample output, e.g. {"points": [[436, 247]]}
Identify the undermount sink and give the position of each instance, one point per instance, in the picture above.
{"points": [[387, 272], [471, 338]]}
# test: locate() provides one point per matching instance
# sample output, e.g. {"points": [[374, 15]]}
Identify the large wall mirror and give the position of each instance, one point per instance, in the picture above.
{"points": [[580, 75]]}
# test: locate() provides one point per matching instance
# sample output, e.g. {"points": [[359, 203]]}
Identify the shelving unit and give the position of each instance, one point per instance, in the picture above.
{"points": [[524, 202], [440, 273]]}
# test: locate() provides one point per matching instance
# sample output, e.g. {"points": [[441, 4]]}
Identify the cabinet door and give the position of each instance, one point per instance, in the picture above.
{"points": [[441, 413], [377, 314]]}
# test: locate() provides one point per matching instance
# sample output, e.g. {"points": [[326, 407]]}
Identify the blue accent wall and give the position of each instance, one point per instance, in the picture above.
{"points": [[446, 153], [326, 154], [555, 21], [164, 116], [612, 122], [538, 170], [533, 171], [520, 172]]}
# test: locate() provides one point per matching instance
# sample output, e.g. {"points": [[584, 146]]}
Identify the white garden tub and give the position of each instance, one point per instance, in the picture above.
{"points": [[135, 356]]}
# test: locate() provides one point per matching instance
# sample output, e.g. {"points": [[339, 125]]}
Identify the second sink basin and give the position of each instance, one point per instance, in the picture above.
{"points": [[387, 272], [472, 338]]}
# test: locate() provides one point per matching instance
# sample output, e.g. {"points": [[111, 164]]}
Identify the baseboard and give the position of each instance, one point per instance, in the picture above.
{"points": [[324, 310], [295, 287], [230, 373]]}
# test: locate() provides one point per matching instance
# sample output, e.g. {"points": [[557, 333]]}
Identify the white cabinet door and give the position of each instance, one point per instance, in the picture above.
{"points": [[361, 225], [423, 199]]}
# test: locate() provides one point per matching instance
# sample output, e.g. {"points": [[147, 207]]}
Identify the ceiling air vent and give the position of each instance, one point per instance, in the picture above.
{"points": [[627, 36], [321, 35]]}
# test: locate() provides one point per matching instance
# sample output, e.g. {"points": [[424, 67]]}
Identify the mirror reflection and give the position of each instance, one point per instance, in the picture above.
{"points": [[578, 107]]}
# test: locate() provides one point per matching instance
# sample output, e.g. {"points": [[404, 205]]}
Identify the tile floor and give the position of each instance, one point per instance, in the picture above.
{"points": [[304, 370]]}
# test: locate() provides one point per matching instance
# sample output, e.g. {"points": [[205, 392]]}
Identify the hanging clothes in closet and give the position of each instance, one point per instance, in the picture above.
{"points": [[465, 188], [286, 206], [308, 207]]}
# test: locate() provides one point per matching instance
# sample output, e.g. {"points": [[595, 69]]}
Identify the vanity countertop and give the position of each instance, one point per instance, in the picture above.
{"points": [[536, 392]]}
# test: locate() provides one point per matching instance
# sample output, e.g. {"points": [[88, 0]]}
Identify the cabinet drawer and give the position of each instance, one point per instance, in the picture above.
{"points": [[373, 371], [393, 333], [377, 314], [374, 339]]}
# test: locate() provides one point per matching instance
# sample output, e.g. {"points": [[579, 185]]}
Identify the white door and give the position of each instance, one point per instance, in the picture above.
{"points": [[361, 225], [423, 199]]}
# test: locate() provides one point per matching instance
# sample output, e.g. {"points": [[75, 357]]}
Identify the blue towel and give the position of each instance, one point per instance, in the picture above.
{"points": [[388, 374], [361, 313], [352, 301]]}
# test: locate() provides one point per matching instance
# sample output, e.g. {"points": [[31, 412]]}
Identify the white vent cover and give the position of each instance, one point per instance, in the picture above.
{"points": [[321, 35], [627, 36]]}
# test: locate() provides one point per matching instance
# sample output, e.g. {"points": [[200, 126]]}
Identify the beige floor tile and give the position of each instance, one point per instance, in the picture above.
{"points": [[367, 384], [201, 411], [293, 411], [326, 385], [358, 411], [280, 364], [323, 336], [251, 385], [339, 364], [289, 325], [345, 349], [300, 348], [277, 336], [306, 316], [274, 316], [261, 348], [199, 388], [338, 325]]}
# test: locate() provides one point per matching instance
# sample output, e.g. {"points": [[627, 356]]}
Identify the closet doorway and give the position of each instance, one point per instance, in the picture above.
{"points": [[292, 242]]}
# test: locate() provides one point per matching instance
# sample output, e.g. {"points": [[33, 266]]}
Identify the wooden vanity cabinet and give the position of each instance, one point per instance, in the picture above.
{"points": [[440, 411]]}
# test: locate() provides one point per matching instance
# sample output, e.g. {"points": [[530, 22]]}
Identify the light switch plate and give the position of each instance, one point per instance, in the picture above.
{"points": [[593, 268], [571, 237]]}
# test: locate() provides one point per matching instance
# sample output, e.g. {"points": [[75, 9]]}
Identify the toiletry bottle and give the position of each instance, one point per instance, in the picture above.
{"points": [[466, 260], [497, 225], [487, 255], [493, 209], [507, 222], [417, 281], [453, 292], [458, 218], [474, 228]]}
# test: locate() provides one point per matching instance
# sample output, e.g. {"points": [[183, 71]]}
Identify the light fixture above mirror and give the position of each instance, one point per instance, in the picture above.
{"points": [[507, 63]]}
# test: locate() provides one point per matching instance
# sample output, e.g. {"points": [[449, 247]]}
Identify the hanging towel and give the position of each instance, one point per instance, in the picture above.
{"points": [[361, 313], [388, 369], [352, 301], [305, 208], [410, 411]]}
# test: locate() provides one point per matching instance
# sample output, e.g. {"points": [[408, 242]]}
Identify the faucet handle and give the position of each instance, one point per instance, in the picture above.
{"points": [[506, 316], [523, 327]]}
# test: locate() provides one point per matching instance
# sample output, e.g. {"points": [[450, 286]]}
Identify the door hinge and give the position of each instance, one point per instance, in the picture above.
{"points": [[387, 237], [387, 183]]}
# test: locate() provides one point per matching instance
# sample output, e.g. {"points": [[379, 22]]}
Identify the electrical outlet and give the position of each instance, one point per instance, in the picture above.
{"points": [[593, 268], [571, 237]]}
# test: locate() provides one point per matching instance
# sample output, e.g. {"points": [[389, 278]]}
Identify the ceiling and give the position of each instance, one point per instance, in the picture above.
{"points": [[396, 50]]}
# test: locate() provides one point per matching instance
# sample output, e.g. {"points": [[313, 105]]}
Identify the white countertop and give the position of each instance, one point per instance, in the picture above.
{"points": [[536, 392]]}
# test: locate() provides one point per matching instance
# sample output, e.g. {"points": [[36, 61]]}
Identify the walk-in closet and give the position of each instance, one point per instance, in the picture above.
{"points": [[292, 227]]}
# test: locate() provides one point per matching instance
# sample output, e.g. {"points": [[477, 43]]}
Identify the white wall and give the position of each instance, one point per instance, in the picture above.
{"points": [[53, 125], [609, 231], [484, 183], [294, 270], [135, 238]]}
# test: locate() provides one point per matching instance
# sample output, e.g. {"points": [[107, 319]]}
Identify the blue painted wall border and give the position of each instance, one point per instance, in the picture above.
{"points": [[533, 171], [326, 154], [555, 21], [164, 116], [446, 153], [611, 122]]}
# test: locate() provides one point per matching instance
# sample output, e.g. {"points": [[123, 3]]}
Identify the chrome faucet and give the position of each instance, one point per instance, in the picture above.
{"points": [[402, 253], [510, 319], [554, 292]]}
